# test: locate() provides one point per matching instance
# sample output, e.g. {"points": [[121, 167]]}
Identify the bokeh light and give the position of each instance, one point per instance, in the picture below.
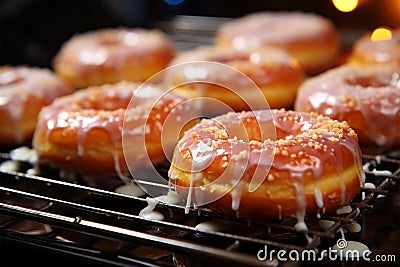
{"points": [[381, 33], [173, 2], [345, 5]]}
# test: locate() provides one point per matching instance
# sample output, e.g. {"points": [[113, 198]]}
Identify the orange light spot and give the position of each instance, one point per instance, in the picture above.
{"points": [[381, 33], [345, 5]]}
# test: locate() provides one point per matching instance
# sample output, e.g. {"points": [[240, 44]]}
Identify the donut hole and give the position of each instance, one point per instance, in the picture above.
{"points": [[107, 100], [187, 125], [250, 129], [368, 81], [107, 104], [10, 78], [261, 131]]}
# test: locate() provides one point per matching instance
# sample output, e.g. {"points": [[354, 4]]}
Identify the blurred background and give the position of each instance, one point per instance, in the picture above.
{"points": [[32, 31]]}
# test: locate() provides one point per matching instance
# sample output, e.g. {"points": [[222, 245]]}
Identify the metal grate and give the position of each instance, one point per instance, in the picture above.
{"points": [[70, 216]]}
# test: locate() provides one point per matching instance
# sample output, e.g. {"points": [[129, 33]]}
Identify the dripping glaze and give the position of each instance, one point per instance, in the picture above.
{"points": [[308, 148], [84, 132], [367, 97]]}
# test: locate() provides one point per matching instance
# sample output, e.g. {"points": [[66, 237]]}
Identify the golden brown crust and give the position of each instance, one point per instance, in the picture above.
{"points": [[368, 52], [274, 77], [310, 38], [277, 199], [367, 97], [112, 55], [315, 167], [24, 92], [83, 132]]}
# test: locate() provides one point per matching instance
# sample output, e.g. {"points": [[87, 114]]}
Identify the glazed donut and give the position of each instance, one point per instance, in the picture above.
{"points": [[83, 132], [23, 92], [367, 52], [112, 55], [310, 38], [367, 97], [312, 164], [272, 70]]}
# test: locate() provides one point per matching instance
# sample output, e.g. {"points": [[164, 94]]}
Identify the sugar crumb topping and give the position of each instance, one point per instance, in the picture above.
{"points": [[320, 136]]}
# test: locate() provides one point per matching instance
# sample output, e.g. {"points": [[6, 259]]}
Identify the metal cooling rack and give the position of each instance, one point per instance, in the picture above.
{"points": [[70, 216], [73, 217]]}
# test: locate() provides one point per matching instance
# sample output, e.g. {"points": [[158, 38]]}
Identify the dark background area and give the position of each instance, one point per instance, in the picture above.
{"points": [[32, 31]]}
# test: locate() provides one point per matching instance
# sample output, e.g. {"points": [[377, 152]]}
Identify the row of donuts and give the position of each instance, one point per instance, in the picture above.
{"points": [[87, 59], [252, 45], [313, 164], [279, 50], [83, 131]]}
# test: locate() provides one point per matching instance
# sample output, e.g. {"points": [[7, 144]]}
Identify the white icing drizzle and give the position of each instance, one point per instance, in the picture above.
{"points": [[9, 165], [378, 159], [33, 171], [117, 168], [318, 197], [344, 210], [367, 185], [351, 246], [236, 194], [301, 207], [346, 245], [366, 167], [202, 155], [149, 213], [371, 186], [25, 154], [353, 227], [351, 145], [189, 195], [363, 177], [130, 189], [303, 152], [316, 166], [171, 198], [300, 226], [108, 110], [211, 226], [381, 173]]}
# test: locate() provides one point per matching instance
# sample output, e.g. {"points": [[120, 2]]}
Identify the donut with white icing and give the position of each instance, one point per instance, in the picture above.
{"points": [[310, 164], [111, 55], [249, 76], [367, 97], [368, 52], [24, 91], [312, 39], [83, 132]]}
